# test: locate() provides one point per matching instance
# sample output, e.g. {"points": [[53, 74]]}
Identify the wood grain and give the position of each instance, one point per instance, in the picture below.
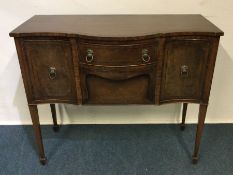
{"points": [[120, 26]]}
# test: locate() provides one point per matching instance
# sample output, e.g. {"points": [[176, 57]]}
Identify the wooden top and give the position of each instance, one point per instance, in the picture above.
{"points": [[111, 26]]}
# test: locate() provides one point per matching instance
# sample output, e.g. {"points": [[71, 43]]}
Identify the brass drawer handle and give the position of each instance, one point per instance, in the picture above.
{"points": [[52, 73], [90, 56], [184, 71], [145, 55]]}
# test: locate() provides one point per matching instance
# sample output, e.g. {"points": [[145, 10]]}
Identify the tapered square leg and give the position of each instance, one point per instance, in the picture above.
{"points": [[37, 131], [200, 127], [184, 110], [54, 116]]}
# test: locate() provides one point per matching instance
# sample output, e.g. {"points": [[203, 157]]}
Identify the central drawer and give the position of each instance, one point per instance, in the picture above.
{"points": [[117, 54]]}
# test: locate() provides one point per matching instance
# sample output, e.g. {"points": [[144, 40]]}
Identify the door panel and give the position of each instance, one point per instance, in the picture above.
{"points": [[184, 67], [51, 69]]}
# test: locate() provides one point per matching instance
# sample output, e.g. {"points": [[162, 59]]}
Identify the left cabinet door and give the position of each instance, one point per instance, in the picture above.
{"points": [[51, 70]]}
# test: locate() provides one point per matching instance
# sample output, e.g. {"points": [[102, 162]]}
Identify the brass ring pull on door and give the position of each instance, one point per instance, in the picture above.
{"points": [[52, 73]]}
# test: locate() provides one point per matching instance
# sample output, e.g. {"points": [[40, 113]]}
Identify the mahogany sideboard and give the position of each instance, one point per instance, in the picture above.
{"points": [[117, 59]]}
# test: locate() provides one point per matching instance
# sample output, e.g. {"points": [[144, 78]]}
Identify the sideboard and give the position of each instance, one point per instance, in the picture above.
{"points": [[117, 59]]}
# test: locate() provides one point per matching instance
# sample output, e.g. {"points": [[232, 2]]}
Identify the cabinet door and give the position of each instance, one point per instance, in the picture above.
{"points": [[184, 68], [51, 70]]}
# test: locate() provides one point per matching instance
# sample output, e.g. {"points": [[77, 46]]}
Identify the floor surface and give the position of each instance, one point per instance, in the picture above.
{"points": [[117, 150]]}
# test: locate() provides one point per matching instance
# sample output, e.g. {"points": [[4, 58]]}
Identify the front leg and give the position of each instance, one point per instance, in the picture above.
{"points": [[200, 127], [37, 131]]}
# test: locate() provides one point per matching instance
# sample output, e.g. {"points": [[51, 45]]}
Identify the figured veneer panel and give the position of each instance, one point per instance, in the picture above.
{"points": [[106, 91], [43, 54], [118, 85], [190, 54]]}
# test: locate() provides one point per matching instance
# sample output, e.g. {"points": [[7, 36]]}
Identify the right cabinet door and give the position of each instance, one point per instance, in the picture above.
{"points": [[184, 69]]}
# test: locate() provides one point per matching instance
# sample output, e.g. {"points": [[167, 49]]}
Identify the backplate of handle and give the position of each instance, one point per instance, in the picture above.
{"points": [[145, 55], [52, 73]]}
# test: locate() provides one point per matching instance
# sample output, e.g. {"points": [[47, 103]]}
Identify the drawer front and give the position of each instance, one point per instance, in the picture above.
{"points": [[184, 68], [117, 55], [51, 69]]}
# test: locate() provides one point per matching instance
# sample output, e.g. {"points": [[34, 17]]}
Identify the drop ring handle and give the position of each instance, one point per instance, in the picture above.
{"points": [[52, 73], [89, 56], [145, 56]]}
